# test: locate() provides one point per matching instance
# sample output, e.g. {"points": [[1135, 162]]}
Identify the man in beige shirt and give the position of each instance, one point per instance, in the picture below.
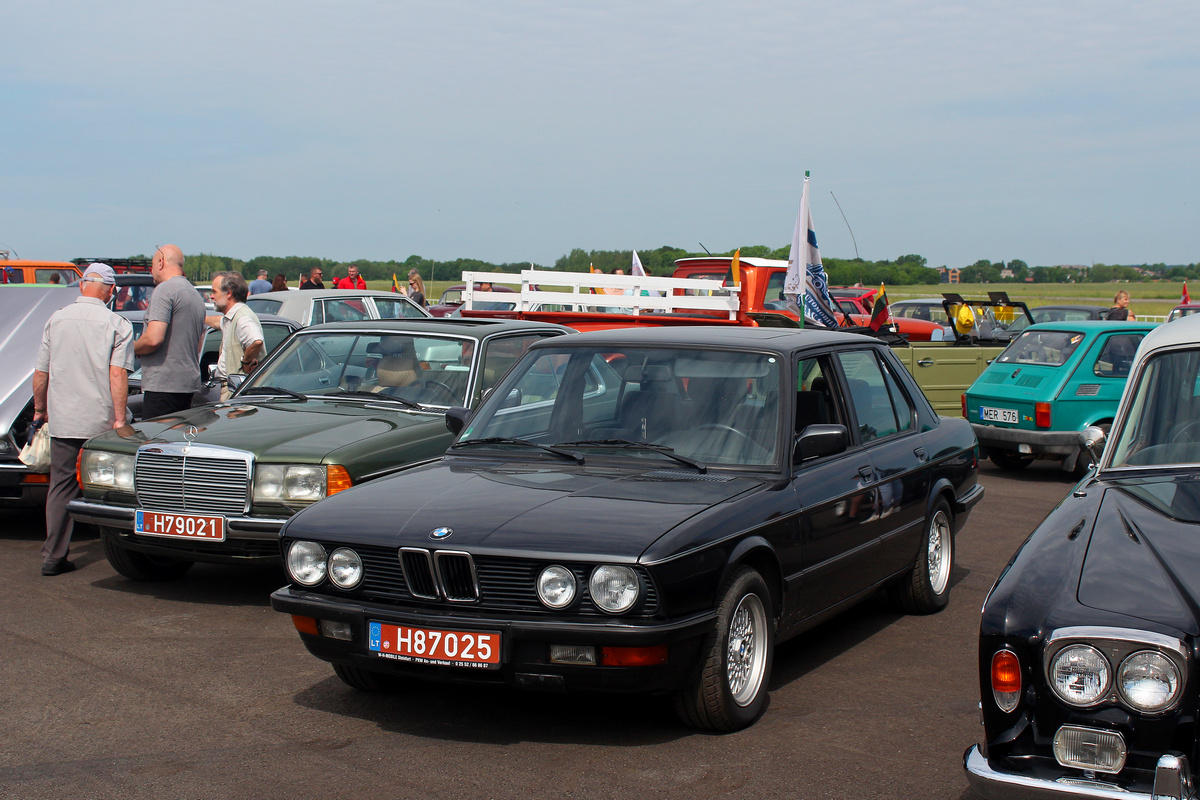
{"points": [[80, 385], [241, 332]]}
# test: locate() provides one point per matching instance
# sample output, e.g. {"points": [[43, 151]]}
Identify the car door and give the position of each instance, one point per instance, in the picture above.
{"points": [[887, 428], [836, 496]]}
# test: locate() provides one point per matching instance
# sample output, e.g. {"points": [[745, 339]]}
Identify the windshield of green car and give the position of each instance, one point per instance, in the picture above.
{"points": [[430, 370], [1052, 348], [1162, 427], [719, 408]]}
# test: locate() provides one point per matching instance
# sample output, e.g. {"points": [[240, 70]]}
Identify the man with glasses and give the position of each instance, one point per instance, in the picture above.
{"points": [[169, 346], [314, 280], [241, 332], [80, 385]]}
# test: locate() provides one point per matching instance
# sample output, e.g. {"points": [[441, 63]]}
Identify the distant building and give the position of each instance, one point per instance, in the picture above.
{"points": [[948, 274], [1007, 273]]}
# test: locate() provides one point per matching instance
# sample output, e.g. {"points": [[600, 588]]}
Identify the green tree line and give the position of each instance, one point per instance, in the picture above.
{"points": [[903, 270]]}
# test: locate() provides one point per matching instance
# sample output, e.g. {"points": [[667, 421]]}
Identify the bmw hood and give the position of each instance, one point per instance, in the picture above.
{"points": [[531, 509], [1143, 559]]}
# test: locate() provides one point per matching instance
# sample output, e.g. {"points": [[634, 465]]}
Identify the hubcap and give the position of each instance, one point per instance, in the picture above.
{"points": [[745, 660], [938, 554]]}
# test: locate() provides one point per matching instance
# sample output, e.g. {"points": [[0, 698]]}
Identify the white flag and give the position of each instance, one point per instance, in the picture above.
{"points": [[638, 269]]}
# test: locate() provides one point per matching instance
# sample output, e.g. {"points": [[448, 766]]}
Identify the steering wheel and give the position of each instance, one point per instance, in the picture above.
{"points": [[748, 444], [440, 389], [1187, 432]]}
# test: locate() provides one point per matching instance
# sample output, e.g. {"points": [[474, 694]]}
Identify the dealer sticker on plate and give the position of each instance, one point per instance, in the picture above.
{"points": [[179, 526], [998, 415], [427, 646]]}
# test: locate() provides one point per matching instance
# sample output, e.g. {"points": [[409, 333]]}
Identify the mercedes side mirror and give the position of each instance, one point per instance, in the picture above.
{"points": [[234, 382], [1091, 439], [456, 419]]}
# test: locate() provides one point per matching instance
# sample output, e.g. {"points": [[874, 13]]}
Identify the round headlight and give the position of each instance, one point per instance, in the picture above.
{"points": [[345, 568], [306, 563], [556, 587], [304, 483], [1149, 681], [1079, 675], [268, 481], [614, 589]]}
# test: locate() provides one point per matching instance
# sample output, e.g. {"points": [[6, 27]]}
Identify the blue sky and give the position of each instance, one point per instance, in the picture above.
{"points": [[1058, 133]]}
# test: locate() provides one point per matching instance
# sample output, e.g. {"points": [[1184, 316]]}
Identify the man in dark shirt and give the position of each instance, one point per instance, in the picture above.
{"points": [[314, 280]]}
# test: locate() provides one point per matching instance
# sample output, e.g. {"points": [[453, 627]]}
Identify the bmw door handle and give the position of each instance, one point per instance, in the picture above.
{"points": [[920, 454], [866, 473]]}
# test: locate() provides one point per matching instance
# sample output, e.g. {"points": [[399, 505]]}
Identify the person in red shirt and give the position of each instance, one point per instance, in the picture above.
{"points": [[352, 281]]}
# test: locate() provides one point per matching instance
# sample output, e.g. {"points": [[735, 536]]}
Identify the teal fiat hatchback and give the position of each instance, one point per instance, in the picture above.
{"points": [[1050, 383]]}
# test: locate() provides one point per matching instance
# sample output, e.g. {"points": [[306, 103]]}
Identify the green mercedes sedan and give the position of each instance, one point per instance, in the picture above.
{"points": [[334, 406]]}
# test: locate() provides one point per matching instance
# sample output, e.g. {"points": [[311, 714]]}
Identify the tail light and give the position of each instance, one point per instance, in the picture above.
{"points": [[964, 405], [1041, 415], [1006, 679]]}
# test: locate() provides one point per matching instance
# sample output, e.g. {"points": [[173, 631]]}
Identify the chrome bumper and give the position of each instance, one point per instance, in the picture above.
{"points": [[108, 516], [1172, 781]]}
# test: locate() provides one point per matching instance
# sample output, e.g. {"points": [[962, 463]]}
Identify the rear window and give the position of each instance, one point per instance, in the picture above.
{"points": [[1052, 348]]}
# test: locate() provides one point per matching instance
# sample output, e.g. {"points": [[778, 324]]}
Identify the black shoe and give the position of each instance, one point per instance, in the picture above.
{"points": [[57, 567]]}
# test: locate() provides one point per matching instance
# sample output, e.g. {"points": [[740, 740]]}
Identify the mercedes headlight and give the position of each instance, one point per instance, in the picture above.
{"points": [[306, 563], [345, 568], [1080, 675], [614, 589], [1149, 681], [109, 470], [284, 482], [556, 587]]}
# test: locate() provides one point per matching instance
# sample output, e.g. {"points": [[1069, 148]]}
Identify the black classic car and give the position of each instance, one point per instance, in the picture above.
{"points": [[1088, 641], [642, 510], [335, 405]]}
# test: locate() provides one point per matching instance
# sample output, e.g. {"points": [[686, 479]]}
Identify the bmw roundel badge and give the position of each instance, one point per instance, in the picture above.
{"points": [[440, 533]]}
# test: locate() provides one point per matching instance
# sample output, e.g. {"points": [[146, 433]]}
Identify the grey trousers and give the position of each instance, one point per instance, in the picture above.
{"points": [[62, 490]]}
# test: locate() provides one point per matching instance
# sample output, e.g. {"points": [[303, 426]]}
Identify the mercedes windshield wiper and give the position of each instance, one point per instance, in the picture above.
{"points": [[578, 459], [273, 390], [375, 396], [669, 452]]}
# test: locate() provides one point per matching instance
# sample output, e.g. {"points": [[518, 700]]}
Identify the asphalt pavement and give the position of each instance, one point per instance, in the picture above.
{"points": [[197, 689]]}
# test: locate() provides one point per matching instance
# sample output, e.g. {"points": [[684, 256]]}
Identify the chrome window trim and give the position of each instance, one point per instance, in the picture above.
{"points": [[1117, 644]]}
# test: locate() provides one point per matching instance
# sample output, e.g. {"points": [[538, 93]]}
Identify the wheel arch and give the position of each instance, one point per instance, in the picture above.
{"points": [[942, 489], [756, 552]]}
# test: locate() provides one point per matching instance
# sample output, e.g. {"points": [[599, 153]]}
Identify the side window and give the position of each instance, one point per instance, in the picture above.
{"points": [[396, 309], [339, 310], [318, 314], [1116, 356], [500, 354], [814, 394], [900, 404], [273, 335], [869, 395], [264, 306]]}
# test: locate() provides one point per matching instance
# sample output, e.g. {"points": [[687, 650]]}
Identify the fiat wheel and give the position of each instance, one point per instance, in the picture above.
{"points": [[730, 690]]}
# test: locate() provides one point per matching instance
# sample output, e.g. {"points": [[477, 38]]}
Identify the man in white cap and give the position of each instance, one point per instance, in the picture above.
{"points": [[80, 385]]}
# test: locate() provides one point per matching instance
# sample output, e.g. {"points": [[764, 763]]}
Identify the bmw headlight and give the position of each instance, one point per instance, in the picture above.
{"points": [[282, 482], [345, 568], [1080, 675], [108, 470], [556, 587], [1149, 681], [614, 589], [306, 563]]}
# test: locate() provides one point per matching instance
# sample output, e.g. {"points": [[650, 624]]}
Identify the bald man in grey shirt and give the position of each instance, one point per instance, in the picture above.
{"points": [[170, 342]]}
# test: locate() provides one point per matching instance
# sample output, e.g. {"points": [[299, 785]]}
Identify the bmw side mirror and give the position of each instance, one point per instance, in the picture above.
{"points": [[456, 419], [816, 441]]}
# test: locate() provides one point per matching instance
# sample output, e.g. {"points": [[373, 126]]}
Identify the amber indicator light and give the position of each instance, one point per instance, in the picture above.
{"points": [[1006, 672], [305, 624], [337, 479]]}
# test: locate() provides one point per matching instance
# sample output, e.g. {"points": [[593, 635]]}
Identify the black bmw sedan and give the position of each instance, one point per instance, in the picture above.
{"points": [[645, 510]]}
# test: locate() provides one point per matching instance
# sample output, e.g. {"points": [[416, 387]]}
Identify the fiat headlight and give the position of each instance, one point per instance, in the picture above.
{"points": [[1149, 681], [110, 470], [556, 587], [345, 568], [306, 563], [614, 589], [283, 482], [1080, 675]]}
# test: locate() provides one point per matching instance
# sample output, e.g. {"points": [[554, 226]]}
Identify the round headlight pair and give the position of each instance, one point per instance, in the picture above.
{"points": [[1147, 680], [308, 565], [613, 589]]}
